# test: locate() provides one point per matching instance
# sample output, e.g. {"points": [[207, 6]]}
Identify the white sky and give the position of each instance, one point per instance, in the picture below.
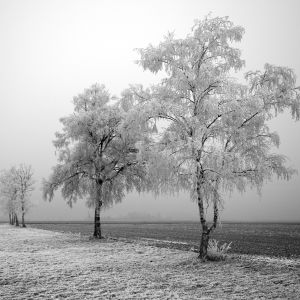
{"points": [[51, 50]]}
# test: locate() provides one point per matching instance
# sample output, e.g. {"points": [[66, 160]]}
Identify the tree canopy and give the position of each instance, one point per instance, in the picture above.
{"points": [[199, 129], [16, 184], [217, 135], [96, 153]]}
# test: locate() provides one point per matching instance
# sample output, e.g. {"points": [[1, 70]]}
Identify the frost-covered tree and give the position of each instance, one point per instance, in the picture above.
{"points": [[23, 179], [216, 135], [9, 195], [97, 154], [16, 184]]}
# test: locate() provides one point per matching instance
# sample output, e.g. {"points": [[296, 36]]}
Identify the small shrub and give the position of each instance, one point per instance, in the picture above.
{"points": [[215, 251]]}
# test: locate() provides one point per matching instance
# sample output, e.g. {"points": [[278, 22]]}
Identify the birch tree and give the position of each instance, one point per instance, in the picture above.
{"points": [[23, 180], [97, 154], [9, 195], [216, 136]]}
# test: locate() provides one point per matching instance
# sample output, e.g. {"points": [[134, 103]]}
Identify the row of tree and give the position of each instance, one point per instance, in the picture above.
{"points": [[198, 130], [16, 184]]}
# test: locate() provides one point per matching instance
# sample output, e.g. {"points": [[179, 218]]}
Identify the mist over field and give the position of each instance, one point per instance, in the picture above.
{"points": [[149, 149], [52, 50]]}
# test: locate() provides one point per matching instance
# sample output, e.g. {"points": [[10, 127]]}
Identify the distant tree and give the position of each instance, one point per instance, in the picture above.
{"points": [[216, 135], [97, 154], [23, 180], [9, 195]]}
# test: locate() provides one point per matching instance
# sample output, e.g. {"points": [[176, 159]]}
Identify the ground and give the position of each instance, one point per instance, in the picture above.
{"points": [[41, 264]]}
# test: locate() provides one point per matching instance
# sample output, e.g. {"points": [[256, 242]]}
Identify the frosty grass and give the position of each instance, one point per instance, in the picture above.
{"points": [[41, 264]]}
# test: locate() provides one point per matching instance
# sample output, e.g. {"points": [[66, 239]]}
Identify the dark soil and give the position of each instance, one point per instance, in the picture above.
{"points": [[270, 239]]}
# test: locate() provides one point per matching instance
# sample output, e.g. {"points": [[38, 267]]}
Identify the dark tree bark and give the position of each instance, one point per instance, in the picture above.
{"points": [[17, 221], [10, 219], [13, 219], [23, 220], [206, 230], [23, 216], [98, 204], [204, 243]]}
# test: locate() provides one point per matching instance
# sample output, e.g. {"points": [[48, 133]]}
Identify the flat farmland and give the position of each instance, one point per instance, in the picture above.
{"points": [[270, 239]]}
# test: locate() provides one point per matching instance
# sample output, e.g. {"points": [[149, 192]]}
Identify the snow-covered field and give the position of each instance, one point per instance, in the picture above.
{"points": [[40, 264]]}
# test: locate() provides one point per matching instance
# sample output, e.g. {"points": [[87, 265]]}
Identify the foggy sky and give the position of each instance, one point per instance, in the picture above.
{"points": [[52, 50]]}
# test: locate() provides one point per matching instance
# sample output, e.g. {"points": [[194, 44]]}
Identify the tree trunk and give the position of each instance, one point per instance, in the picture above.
{"points": [[204, 238], [23, 220], [17, 221], [23, 214], [97, 223], [13, 219], [216, 209], [204, 244], [98, 204], [205, 230], [10, 218]]}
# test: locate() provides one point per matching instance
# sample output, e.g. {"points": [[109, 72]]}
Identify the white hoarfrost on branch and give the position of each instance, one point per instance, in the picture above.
{"points": [[216, 135], [16, 184], [97, 154]]}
